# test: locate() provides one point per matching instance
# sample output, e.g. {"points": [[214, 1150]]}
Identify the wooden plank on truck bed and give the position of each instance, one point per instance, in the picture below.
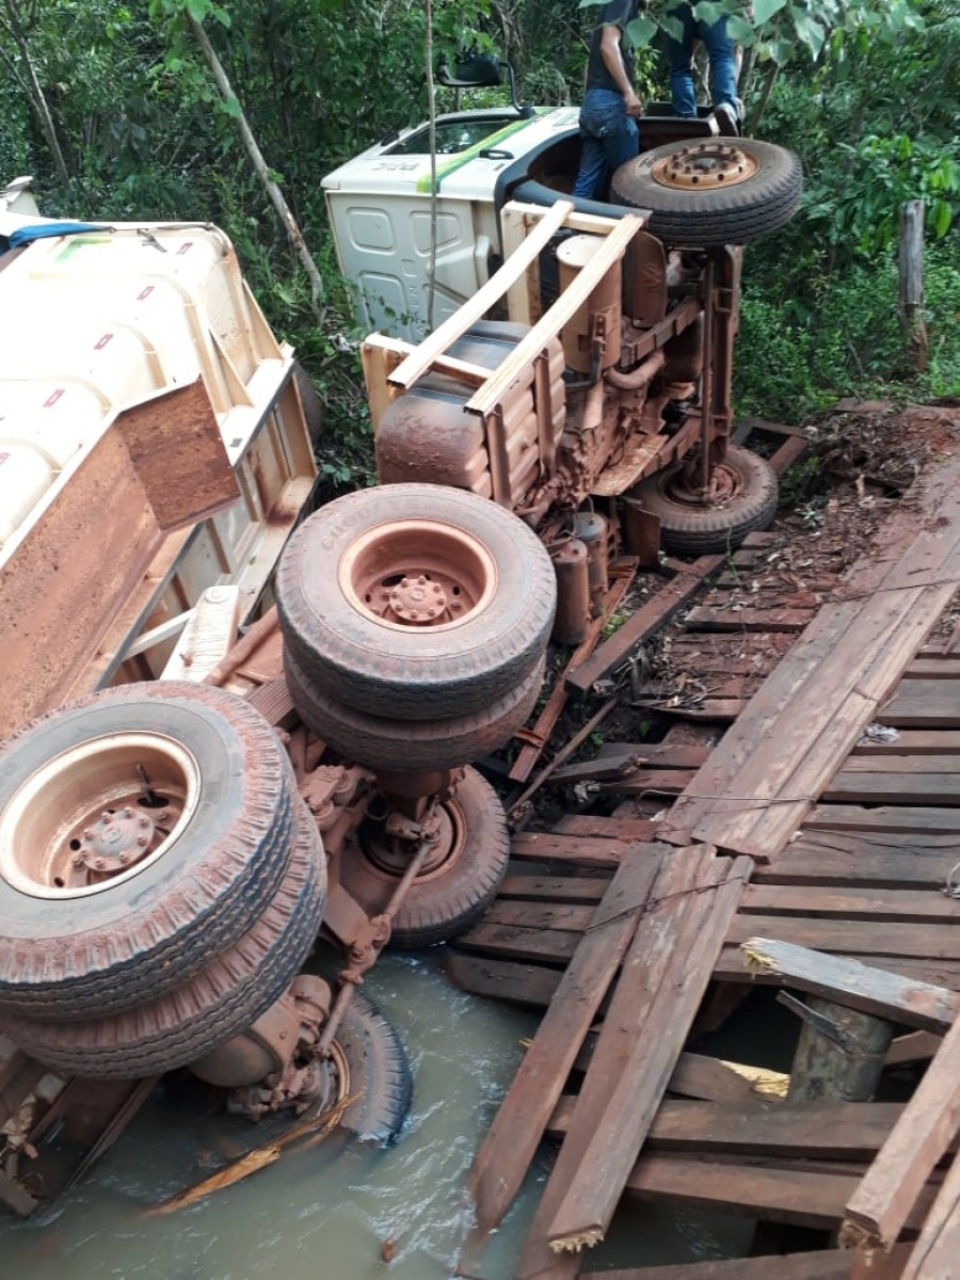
{"points": [[520, 360], [422, 358]]}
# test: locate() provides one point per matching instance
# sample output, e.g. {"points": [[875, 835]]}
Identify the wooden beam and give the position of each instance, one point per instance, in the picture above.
{"points": [[856, 985], [830, 1264], [936, 1253], [512, 1140], [424, 356], [879, 1208], [652, 616], [521, 359], [664, 979]]}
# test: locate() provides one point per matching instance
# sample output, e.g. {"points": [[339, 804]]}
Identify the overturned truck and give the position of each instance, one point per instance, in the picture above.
{"points": [[170, 851]]}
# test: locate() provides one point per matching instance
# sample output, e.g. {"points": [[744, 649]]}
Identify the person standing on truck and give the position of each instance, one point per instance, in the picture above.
{"points": [[608, 115], [723, 68]]}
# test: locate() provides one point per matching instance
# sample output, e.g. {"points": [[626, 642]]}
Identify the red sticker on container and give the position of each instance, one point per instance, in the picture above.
{"points": [[185, 247], [52, 398], [145, 293], [98, 346]]}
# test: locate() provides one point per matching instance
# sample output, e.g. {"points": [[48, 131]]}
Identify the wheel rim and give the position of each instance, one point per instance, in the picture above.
{"points": [[417, 575], [97, 814], [335, 1078], [726, 485], [391, 856], [705, 166]]}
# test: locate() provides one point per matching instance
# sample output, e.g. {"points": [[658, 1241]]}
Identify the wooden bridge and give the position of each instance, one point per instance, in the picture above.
{"points": [[815, 848]]}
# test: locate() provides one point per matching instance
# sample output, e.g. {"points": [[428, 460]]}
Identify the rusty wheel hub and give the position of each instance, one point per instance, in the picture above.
{"points": [[705, 166], [118, 840], [418, 573], [420, 601], [443, 832], [97, 814], [726, 484]]}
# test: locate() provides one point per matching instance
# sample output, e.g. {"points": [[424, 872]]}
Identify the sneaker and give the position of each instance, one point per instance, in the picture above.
{"points": [[727, 121]]}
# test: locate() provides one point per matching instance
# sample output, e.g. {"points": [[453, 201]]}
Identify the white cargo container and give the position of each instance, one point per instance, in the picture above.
{"points": [[152, 445]]}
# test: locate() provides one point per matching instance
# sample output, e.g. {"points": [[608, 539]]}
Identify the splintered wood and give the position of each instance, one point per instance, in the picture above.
{"points": [[662, 921]]}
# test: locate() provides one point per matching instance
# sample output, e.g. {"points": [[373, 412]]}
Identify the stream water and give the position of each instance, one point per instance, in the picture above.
{"points": [[326, 1213]]}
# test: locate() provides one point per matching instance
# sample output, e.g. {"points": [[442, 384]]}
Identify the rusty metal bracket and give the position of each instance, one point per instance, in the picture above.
{"points": [[819, 1021]]}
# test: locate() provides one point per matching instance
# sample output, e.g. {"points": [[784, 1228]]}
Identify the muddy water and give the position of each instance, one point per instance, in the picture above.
{"points": [[326, 1213]]}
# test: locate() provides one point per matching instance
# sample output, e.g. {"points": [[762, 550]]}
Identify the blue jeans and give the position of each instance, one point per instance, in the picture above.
{"points": [[723, 70], [608, 139]]}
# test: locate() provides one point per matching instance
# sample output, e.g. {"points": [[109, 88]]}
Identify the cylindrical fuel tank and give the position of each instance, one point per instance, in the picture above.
{"points": [[591, 529], [573, 591], [572, 256], [427, 436]]}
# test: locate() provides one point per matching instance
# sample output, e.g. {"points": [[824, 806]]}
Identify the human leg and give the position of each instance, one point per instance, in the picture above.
{"points": [[680, 54], [608, 138], [723, 66]]}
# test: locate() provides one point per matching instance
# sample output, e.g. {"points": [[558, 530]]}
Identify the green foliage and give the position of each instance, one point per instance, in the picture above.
{"points": [[881, 174], [864, 92], [839, 334]]}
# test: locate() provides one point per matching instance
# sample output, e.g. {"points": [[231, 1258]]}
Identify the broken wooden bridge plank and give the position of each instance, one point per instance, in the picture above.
{"points": [[664, 979], [512, 1140]]}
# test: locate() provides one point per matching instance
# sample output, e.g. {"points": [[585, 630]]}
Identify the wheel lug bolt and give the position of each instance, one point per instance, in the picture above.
{"points": [[99, 863], [105, 819], [421, 580], [144, 822], [88, 834], [124, 859], [77, 859], [431, 613], [128, 812], [142, 841]]}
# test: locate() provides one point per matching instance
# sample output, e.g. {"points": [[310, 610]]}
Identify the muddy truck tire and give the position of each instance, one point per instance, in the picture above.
{"points": [[712, 191], [141, 829], [749, 496], [415, 602], [411, 745], [377, 1073], [456, 889], [218, 1002]]}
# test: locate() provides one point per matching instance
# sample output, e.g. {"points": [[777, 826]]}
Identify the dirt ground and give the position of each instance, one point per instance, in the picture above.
{"points": [[864, 458]]}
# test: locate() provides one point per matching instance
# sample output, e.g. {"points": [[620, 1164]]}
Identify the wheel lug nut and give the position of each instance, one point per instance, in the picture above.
{"points": [[77, 859], [144, 822], [88, 834], [142, 842], [421, 580], [105, 819], [128, 812], [99, 863], [124, 859]]}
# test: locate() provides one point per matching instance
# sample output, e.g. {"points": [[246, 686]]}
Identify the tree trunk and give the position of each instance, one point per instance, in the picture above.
{"points": [[34, 90], [912, 322], [317, 291]]}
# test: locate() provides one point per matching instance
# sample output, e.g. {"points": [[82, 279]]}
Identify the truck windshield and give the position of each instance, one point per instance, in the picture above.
{"points": [[452, 136]]}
